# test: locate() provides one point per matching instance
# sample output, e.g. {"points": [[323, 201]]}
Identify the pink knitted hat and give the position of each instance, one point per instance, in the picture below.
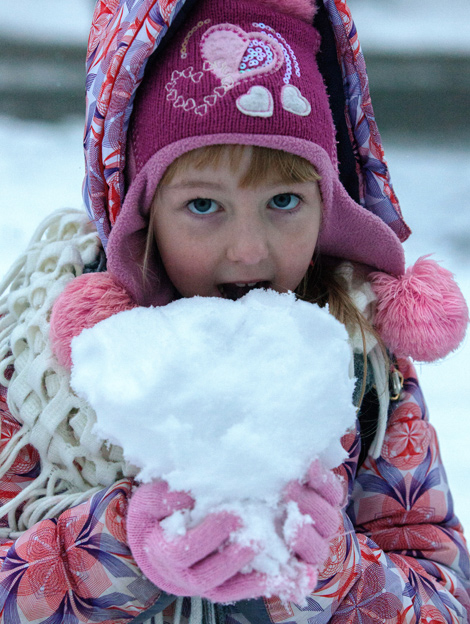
{"points": [[239, 72]]}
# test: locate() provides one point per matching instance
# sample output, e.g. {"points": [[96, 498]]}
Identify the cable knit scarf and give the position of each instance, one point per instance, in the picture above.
{"points": [[74, 464]]}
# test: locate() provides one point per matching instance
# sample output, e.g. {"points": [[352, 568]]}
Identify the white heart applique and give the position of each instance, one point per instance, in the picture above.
{"points": [[257, 102], [294, 102]]}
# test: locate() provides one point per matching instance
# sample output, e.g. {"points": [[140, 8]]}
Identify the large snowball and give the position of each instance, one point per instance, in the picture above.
{"points": [[228, 399]]}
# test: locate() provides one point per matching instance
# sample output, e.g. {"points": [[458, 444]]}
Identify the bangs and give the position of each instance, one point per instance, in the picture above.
{"points": [[265, 164]]}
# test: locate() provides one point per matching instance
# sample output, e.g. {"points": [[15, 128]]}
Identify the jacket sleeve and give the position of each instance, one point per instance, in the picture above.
{"points": [[76, 568], [401, 557]]}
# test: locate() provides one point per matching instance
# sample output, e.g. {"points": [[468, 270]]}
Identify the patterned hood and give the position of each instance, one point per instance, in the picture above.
{"points": [[125, 33]]}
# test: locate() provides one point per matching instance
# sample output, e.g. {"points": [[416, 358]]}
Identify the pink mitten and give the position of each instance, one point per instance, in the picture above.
{"points": [[320, 497], [203, 562]]}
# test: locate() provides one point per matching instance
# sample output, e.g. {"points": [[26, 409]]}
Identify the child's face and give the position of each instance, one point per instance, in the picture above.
{"points": [[217, 239]]}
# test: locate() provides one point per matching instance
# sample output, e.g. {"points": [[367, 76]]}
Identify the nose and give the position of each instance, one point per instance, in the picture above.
{"points": [[248, 242]]}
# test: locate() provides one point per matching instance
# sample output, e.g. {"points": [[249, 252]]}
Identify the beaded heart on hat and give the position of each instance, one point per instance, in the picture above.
{"points": [[233, 55]]}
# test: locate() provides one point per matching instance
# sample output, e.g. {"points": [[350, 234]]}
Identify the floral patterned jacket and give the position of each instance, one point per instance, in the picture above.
{"points": [[400, 558]]}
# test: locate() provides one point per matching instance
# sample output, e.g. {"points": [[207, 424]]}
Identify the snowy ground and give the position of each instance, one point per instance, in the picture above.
{"points": [[41, 169]]}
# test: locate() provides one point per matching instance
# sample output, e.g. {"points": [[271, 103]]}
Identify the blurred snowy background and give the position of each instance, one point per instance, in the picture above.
{"points": [[418, 55]]}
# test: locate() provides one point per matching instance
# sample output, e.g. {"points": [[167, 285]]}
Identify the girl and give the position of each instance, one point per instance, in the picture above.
{"points": [[225, 178]]}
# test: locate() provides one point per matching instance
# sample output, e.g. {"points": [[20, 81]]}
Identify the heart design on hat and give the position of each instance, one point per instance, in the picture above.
{"points": [[258, 102], [224, 47], [294, 102]]}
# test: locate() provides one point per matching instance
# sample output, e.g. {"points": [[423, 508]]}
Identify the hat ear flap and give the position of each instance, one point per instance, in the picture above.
{"points": [[86, 300], [422, 314]]}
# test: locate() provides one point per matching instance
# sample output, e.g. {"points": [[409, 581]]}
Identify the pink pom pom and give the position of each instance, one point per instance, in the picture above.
{"points": [[422, 314], [86, 300], [303, 9]]}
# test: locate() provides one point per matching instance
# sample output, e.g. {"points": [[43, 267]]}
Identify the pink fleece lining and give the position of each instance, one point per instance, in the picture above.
{"points": [[348, 230]]}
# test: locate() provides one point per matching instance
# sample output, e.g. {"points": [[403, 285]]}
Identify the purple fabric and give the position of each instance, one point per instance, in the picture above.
{"points": [[348, 230]]}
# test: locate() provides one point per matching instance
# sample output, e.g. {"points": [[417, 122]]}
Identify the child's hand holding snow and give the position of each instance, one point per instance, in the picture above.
{"points": [[320, 499], [202, 562], [205, 561]]}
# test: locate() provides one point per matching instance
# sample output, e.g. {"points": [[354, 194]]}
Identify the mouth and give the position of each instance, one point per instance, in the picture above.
{"points": [[237, 290]]}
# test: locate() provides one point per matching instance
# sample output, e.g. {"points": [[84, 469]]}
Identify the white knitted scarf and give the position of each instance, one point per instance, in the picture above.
{"points": [[74, 463]]}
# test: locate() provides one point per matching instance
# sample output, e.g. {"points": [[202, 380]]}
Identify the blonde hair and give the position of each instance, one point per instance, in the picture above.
{"points": [[322, 283], [265, 164]]}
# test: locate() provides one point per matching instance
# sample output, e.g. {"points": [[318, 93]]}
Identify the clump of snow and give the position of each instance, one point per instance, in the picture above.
{"points": [[229, 400]]}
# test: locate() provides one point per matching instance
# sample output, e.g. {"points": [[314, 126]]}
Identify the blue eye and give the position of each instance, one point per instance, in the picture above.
{"points": [[284, 201], [203, 206]]}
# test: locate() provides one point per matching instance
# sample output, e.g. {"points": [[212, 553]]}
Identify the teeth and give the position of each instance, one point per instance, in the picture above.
{"points": [[242, 284]]}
